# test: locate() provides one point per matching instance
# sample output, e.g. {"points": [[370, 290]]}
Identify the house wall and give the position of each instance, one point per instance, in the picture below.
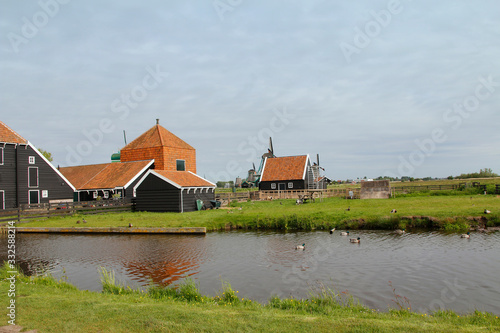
{"points": [[297, 185], [156, 195], [189, 199], [165, 157], [14, 178]]}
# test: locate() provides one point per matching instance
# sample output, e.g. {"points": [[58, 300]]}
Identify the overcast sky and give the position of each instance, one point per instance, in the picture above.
{"points": [[401, 88]]}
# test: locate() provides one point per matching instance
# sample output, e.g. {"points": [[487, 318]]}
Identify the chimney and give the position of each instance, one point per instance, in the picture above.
{"points": [[157, 121]]}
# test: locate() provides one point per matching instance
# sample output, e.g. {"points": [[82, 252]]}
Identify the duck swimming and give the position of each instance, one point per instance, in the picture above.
{"points": [[355, 240], [344, 233], [300, 247], [467, 235]]}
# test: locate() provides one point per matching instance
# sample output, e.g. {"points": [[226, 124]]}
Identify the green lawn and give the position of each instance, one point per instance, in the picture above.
{"points": [[50, 306], [331, 212]]}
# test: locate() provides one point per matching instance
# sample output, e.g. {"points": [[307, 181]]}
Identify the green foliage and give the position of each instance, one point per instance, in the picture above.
{"points": [[46, 154], [483, 173]]}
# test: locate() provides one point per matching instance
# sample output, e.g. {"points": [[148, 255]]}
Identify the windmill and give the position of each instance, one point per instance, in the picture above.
{"points": [[254, 174]]}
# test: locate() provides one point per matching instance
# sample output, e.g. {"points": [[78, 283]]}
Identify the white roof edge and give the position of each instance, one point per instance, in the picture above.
{"points": [[139, 173], [152, 171], [208, 181], [51, 165], [305, 167], [263, 169]]}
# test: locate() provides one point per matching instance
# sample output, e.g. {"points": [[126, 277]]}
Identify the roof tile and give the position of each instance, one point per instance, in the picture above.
{"points": [[184, 178], [7, 135], [284, 168]]}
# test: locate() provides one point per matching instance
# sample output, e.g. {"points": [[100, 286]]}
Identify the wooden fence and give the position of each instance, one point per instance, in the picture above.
{"points": [[295, 194], [24, 213]]}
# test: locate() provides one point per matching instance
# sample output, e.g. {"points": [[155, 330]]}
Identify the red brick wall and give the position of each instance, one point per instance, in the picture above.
{"points": [[165, 157]]}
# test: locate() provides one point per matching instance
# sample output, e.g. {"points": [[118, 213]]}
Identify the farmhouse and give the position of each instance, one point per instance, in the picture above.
{"points": [[26, 176], [158, 169], [290, 173]]}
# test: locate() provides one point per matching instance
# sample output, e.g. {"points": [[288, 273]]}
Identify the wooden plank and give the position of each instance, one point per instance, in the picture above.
{"points": [[115, 230]]}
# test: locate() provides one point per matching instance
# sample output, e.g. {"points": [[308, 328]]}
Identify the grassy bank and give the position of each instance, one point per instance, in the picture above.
{"points": [[434, 212], [48, 305]]}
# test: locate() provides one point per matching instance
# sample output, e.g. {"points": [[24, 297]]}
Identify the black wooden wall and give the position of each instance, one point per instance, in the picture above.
{"points": [[14, 177]]}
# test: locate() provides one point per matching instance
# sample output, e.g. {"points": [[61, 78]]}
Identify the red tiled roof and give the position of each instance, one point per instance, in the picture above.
{"points": [[7, 135], [284, 168], [157, 136], [184, 178], [103, 176]]}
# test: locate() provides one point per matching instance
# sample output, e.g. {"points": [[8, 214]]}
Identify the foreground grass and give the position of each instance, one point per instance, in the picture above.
{"points": [[48, 305], [434, 212]]}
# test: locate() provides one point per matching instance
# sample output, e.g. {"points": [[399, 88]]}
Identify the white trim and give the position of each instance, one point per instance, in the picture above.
{"points": [[31, 160], [202, 179], [182, 202], [2, 203], [1, 155], [52, 166], [138, 174], [29, 195], [305, 167], [263, 169], [37, 177]]}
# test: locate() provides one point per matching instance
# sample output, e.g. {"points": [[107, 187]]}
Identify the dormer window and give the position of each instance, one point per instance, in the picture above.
{"points": [[181, 165]]}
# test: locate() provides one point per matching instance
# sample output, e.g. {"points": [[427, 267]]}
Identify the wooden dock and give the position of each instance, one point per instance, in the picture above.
{"points": [[114, 230]]}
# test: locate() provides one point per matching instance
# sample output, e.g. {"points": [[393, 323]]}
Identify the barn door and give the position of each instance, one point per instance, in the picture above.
{"points": [[282, 186]]}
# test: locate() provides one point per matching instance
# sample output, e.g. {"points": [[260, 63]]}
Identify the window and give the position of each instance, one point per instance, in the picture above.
{"points": [[34, 196], [45, 194], [273, 186], [106, 194], [94, 195], [32, 177], [32, 160], [290, 185], [181, 165], [1, 156]]}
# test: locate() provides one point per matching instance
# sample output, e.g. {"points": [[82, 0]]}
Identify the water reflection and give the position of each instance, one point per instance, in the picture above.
{"points": [[434, 270]]}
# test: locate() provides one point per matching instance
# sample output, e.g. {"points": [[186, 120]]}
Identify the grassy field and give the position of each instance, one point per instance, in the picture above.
{"points": [[434, 212], [48, 305]]}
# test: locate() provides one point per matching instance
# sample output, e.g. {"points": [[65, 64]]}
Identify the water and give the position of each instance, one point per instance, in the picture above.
{"points": [[433, 270]]}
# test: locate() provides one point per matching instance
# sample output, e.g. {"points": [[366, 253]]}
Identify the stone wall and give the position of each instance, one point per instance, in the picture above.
{"points": [[378, 189]]}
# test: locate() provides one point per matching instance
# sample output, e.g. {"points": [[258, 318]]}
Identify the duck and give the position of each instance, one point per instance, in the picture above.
{"points": [[399, 231], [344, 233], [130, 225], [348, 208], [84, 221], [487, 211], [331, 231], [394, 211], [355, 240], [467, 235], [300, 247]]}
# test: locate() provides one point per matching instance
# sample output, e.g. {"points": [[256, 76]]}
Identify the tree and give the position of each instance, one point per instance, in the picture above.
{"points": [[46, 154]]}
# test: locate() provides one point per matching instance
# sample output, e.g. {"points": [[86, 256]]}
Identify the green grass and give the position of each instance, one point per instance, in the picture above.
{"points": [[434, 212], [56, 306]]}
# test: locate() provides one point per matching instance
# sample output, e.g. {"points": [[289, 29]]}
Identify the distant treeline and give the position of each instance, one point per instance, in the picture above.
{"points": [[483, 173]]}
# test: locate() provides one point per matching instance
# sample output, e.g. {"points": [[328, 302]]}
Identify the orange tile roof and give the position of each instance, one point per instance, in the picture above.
{"points": [[184, 178], [157, 136], [103, 176], [284, 168], [7, 135]]}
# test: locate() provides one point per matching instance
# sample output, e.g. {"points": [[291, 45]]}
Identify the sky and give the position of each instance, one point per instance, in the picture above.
{"points": [[394, 88]]}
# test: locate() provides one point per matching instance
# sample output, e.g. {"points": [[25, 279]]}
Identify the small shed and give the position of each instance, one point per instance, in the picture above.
{"points": [[378, 189], [172, 191]]}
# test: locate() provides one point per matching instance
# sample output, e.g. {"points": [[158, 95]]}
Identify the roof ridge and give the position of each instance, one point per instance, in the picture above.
{"points": [[159, 134]]}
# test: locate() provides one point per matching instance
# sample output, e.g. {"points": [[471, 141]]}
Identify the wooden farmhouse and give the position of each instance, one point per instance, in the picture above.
{"points": [[26, 176], [290, 173], [173, 162], [173, 191]]}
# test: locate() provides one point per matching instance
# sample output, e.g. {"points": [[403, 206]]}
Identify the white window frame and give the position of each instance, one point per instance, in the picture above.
{"points": [[29, 196], [2, 203], [45, 193], [94, 195], [290, 185], [105, 195], [37, 178], [31, 160], [273, 186], [1, 155]]}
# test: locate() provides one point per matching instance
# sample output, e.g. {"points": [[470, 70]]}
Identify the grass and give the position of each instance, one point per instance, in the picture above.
{"points": [[56, 306], [454, 213]]}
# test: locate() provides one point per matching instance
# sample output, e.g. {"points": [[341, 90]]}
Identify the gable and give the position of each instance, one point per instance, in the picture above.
{"points": [[7, 135], [157, 136]]}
